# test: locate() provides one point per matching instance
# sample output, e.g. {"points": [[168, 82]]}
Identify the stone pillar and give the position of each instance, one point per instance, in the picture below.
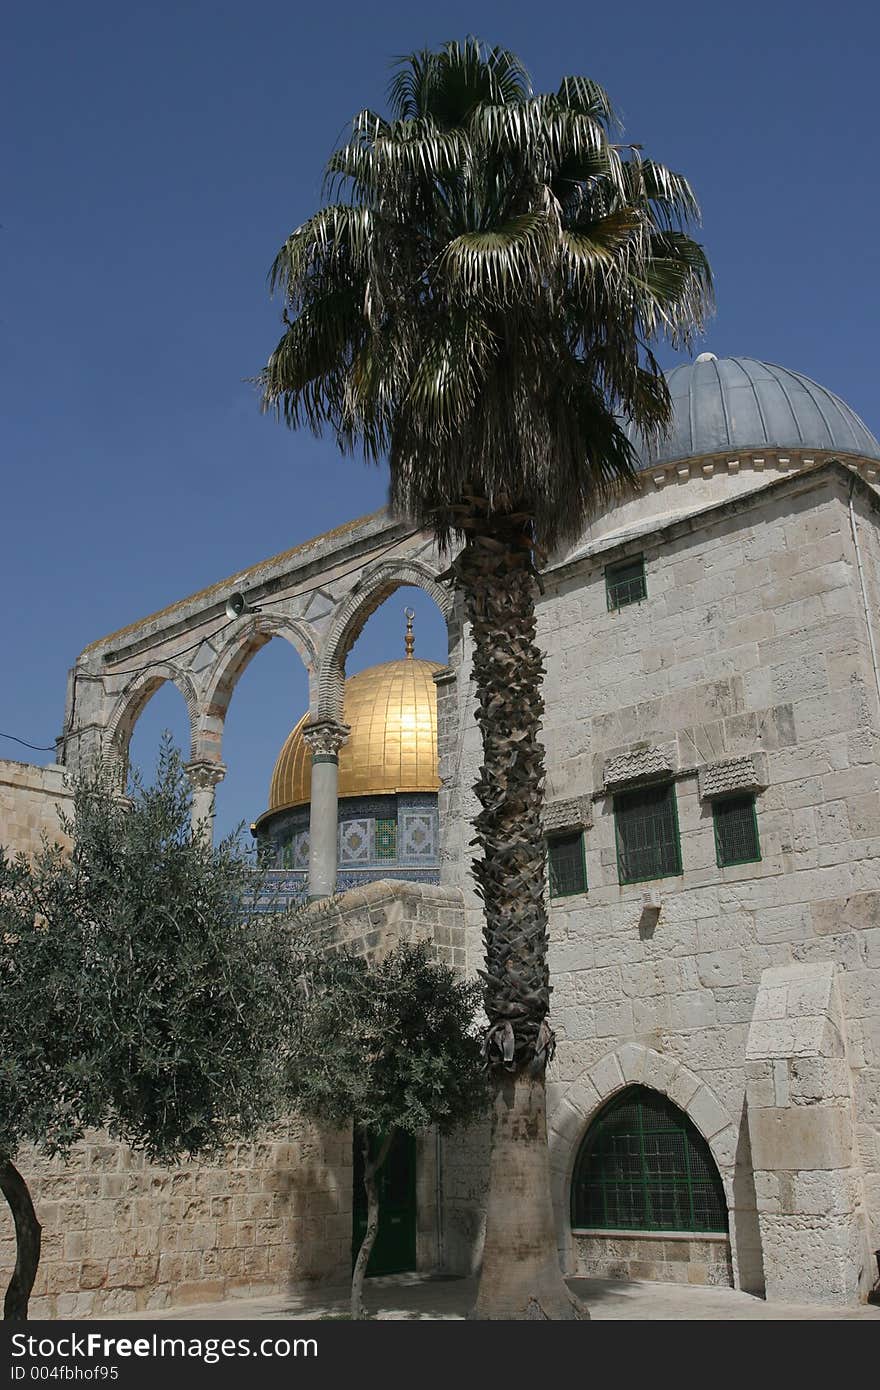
{"points": [[324, 739], [203, 778]]}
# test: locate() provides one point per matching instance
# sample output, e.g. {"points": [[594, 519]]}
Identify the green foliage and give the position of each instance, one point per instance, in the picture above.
{"points": [[134, 995], [390, 1046], [479, 297]]}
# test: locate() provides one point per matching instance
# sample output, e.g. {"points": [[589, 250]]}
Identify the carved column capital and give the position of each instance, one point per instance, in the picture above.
{"points": [[325, 737], [204, 776]]}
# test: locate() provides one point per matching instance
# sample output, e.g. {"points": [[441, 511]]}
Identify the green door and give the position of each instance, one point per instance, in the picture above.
{"points": [[395, 1249]]}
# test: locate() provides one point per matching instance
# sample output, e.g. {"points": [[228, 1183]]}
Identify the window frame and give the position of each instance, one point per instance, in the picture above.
{"points": [[717, 801], [556, 836], [613, 605], [694, 1145], [669, 786]]}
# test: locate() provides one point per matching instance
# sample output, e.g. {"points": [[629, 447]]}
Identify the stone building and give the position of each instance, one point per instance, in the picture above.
{"points": [[712, 732]]}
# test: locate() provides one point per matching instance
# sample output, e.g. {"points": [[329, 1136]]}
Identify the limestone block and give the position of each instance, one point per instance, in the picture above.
{"points": [[720, 968], [607, 1076], [735, 1005], [834, 1192], [706, 1113], [789, 923], [632, 1058], [659, 1070], [724, 1146], [683, 1087], [810, 1258], [614, 1019], [577, 1023], [651, 1016], [693, 1009], [808, 1138]]}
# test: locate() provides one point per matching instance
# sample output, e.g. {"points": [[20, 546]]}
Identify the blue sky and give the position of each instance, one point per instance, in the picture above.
{"points": [[161, 152]]}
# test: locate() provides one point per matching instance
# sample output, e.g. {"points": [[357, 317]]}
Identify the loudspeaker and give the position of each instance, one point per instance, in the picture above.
{"points": [[235, 606]]}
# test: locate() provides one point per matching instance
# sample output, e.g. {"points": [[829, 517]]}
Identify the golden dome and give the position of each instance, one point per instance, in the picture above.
{"points": [[392, 747]]}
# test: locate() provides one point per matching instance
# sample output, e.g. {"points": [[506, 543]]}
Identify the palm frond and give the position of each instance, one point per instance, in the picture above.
{"points": [[480, 297], [336, 234], [501, 262]]}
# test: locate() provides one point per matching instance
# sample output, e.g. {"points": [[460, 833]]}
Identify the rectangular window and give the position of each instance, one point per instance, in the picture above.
{"points": [[646, 824], [625, 583], [736, 830], [566, 864], [386, 839]]}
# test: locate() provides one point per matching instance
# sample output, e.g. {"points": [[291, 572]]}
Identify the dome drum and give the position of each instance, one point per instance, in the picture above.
{"points": [[387, 813]]}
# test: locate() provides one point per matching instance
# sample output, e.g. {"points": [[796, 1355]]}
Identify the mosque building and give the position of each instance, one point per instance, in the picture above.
{"points": [[712, 822], [387, 788]]}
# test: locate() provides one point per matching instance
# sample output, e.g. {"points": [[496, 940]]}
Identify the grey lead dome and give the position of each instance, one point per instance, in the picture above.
{"points": [[737, 404]]}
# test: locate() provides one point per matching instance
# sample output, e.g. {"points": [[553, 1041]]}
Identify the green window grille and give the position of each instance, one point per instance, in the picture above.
{"points": [[625, 583], [736, 830], [287, 855], [648, 844], [566, 864], [386, 839], [643, 1166]]}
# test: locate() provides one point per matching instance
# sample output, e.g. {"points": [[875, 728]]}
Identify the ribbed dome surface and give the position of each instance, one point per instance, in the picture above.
{"points": [[392, 747], [733, 404]]}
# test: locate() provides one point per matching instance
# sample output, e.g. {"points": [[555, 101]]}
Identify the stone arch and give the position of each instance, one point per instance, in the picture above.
{"points": [[130, 705], [375, 585], [575, 1105], [249, 635]]}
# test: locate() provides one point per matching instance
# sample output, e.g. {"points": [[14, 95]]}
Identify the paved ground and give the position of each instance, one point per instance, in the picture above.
{"points": [[411, 1297]]}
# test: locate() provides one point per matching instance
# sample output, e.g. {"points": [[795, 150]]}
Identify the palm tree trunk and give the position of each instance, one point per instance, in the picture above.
{"points": [[371, 1168], [520, 1276], [28, 1234]]}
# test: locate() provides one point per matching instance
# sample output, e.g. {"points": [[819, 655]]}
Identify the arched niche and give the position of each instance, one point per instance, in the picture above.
{"points": [[248, 637], [130, 706], [377, 584]]}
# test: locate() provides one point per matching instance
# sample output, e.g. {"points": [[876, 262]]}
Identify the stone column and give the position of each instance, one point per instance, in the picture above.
{"points": [[203, 778], [324, 739]]}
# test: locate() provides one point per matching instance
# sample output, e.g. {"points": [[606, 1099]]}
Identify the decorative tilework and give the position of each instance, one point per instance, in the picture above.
{"points": [[418, 840], [299, 858], [354, 841], [386, 839]]}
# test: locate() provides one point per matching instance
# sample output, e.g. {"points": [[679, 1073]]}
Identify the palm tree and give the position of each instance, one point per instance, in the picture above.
{"points": [[477, 302]]}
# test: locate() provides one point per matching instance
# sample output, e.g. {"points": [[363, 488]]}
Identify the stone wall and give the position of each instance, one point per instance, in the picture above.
{"points": [[677, 1259], [374, 919], [752, 644], [120, 1235], [29, 800]]}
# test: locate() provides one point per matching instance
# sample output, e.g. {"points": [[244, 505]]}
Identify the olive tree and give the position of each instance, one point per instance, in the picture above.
{"points": [[136, 995], [390, 1046]]}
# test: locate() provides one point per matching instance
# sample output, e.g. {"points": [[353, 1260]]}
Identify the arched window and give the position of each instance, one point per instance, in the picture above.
{"points": [[643, 1166]]}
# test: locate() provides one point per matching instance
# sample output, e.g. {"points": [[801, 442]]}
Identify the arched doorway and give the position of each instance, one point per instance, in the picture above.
{"points": [[395, 1249], [647, 1200]]}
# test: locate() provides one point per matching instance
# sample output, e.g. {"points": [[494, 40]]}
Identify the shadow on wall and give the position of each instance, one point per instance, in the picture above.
{"points": [[744, 1216]]}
